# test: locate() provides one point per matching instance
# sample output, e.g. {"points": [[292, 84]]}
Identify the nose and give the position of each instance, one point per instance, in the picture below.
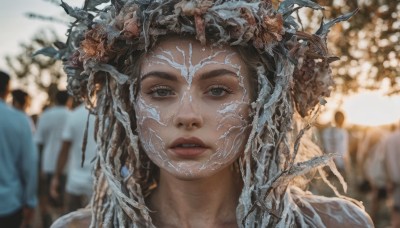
{"points": [[187, 116]]}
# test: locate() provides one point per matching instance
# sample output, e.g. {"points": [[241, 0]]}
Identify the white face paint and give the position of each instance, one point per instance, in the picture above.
{"points": [[192, 108]]}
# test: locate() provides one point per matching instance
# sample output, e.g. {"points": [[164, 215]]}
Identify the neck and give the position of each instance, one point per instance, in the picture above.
{"points": [[207, 202]]}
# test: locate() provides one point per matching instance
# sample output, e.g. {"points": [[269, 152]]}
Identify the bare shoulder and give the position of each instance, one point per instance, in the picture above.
{"points": [[333, 211], [76, 219]]}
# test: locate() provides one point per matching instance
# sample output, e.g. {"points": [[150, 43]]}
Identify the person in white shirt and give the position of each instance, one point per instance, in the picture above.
{"points": [[370, 162], [79, 179], [336, 140], [48, 138], [391, 148]]}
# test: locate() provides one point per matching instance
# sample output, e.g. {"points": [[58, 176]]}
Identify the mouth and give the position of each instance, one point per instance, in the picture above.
{"points": [[188, 147]]}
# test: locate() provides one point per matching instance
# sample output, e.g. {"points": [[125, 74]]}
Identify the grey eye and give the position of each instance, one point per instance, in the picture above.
{"points": [[217, 91], [163, 92]]}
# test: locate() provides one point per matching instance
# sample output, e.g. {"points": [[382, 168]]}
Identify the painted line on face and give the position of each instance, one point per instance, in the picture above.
{"points": [[151, 112], [155, 139], [231, 122], [187, 69]]}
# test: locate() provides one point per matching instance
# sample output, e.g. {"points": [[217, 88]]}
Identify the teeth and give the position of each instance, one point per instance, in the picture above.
{"points": [[188, 145]]}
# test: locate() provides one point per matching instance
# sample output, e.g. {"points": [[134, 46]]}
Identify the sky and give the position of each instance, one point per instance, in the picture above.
{"points": [[17, 28]]}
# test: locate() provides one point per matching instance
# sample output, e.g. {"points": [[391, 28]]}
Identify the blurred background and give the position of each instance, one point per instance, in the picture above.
{"points": [[367, 77]]}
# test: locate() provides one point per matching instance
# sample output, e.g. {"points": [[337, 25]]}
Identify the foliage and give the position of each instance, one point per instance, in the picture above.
{"points": [[43, 72], [46, 74], [370, 51]]}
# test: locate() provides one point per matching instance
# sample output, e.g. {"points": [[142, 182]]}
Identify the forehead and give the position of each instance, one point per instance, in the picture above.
{"points": [[188, 51]]}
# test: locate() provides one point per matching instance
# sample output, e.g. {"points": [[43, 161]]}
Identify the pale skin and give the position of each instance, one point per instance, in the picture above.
{"points": [[193, 114]]}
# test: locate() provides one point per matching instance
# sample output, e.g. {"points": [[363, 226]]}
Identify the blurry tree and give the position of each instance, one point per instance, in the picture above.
{"points": [[368, 44], [43, 72]]}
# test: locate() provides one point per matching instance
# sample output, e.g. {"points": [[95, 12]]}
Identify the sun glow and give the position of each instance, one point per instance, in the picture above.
{"points": [[365, 108], [371, 109]]}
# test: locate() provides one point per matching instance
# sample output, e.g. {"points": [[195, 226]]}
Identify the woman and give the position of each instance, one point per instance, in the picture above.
{"points": [[195, 105]]}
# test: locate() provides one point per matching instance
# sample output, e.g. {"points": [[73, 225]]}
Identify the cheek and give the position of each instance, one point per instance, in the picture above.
{"points": [[149, 123], [232, 125], [151, 115], [233, 115]]}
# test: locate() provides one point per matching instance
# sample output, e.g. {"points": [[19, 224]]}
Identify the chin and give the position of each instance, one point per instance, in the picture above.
{"points": [[192, 170]]}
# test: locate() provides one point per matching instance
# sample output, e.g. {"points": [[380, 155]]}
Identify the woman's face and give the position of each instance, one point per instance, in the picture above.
{"points": [[193, 107]]}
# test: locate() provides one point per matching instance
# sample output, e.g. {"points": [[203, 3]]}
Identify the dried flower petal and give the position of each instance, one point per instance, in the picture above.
{"points": [[95, 44], [311, 82], [131, 28], [194, 7], [272, 28], [74, 60]]}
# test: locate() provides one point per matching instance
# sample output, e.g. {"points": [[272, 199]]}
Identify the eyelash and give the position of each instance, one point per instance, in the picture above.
{"points": [[224, 88], [153, 92]]}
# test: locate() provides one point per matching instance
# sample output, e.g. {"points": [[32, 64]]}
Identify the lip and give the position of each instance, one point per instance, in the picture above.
{"points": [[188, 152]]}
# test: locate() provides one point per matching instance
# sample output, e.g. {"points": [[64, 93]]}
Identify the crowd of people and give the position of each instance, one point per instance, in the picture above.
{"points": [[43, 175], [369, 159]]}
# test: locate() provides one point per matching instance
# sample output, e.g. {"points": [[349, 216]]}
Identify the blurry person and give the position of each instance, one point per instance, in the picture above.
{"points": [[336, 140], [79, 185], [18, 163], [371, 164], [22, 101], [391, 150], [48, 138]]}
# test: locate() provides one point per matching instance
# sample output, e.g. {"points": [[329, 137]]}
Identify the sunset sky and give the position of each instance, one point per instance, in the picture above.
{"points": [[17, 28]]}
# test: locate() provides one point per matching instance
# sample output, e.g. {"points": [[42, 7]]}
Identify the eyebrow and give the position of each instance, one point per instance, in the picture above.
{"points": [[205, 76], [216, 73], [159, 74]]}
